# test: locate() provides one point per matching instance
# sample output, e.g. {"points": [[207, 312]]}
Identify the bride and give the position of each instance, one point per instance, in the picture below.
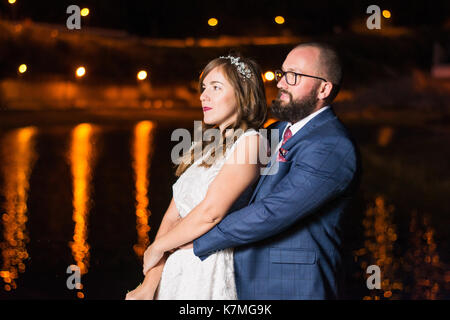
{"points": [[233, 101]]}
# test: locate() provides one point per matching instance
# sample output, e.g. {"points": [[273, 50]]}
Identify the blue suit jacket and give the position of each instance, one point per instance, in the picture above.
{"points": [[288, 238]]}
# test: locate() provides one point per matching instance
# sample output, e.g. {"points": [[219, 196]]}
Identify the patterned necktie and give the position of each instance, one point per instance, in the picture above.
{"points": [[282, 152]]}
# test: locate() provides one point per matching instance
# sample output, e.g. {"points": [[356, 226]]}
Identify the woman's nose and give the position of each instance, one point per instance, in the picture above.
{"points": [[204, 96]]}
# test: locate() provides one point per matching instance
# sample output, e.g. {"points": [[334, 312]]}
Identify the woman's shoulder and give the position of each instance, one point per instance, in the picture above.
{"points": [[247, 136], [249, 132], [254, 135], [247, 145]]}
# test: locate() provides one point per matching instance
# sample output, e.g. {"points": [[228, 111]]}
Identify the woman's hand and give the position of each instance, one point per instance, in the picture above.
{"points": [[140, 293], [151, 257]]}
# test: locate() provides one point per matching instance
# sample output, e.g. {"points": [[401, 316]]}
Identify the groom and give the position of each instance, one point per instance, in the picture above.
{"points": [[288, 239]]}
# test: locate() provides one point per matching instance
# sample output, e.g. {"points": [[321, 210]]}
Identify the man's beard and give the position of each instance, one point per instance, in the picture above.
{"points": [[294, 110]]}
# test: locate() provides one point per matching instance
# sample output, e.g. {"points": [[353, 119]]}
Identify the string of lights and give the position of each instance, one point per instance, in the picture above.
{"points": [[81, 71]]}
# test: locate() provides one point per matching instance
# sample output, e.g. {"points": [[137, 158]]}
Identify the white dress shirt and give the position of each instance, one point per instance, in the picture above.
{"points": [[298, 125]]}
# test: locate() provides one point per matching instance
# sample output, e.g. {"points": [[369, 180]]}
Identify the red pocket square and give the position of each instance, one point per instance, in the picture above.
{"points": [[281, 155]]}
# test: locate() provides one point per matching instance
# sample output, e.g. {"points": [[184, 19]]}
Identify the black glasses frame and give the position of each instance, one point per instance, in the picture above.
{"points": [[280, 73]]}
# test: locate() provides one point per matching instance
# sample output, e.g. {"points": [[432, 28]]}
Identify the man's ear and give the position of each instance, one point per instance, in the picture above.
{"points": [[325, 90]]}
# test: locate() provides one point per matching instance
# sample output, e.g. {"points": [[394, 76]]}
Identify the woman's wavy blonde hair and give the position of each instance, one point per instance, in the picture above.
{"points": [[251, 109]]}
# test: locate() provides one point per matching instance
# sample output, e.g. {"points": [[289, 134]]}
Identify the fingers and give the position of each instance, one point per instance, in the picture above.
{"points": [[145, 269], [145, 265]]}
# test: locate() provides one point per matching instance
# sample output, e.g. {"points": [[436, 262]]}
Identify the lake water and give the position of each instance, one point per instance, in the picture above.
{"points": [[93, 195]]}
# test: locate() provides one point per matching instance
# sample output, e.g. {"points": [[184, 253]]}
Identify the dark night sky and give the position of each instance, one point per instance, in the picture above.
{"points": [[188, 18]]}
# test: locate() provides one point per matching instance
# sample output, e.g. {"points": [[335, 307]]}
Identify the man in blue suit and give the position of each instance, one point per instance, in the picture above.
{"points": [[288, 239]]}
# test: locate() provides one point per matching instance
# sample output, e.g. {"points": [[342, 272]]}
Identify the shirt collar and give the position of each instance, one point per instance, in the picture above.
{"points": [[300, 124]]}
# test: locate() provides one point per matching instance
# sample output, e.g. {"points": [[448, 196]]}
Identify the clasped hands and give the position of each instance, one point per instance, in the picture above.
{"points": [[154, 253]]}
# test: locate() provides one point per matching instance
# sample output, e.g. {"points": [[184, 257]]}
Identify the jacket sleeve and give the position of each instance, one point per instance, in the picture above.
{"points": [[322, 173]]}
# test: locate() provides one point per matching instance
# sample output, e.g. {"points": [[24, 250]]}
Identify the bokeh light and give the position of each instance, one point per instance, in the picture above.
{"points": [[142, 75], [386, 14], [213, 22], [12, 1], [82, 156], [22, 68], [81, 71], [17, 151], [279, 19], [142, 155], [84, 12], [269, 76]]}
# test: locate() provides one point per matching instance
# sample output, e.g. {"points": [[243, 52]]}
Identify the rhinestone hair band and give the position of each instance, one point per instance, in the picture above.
{"points": [[240, 66]]}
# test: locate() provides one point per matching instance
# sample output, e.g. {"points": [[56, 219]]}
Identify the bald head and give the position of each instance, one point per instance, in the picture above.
{"points": [[324, 61], [304, 59], [327, 62]]}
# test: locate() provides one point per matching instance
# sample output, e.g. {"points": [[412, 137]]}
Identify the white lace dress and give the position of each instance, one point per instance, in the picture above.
{"points": [[185, 276]]}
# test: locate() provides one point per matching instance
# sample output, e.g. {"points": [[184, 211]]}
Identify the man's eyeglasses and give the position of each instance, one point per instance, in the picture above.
{"points": [[291, 77]]}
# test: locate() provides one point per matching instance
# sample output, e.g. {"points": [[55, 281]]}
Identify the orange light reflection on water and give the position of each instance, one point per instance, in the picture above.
{"points": [[423, 262], [142, 154], [81, 156], [18, 157], [380, 234], [418, 272]]}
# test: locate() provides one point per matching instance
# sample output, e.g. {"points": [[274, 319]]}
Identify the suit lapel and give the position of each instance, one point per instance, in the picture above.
{"points": [[317, 121], [272, 159]]}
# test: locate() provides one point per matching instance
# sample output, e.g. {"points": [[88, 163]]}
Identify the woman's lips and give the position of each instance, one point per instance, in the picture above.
{"points": [[206, 108]]}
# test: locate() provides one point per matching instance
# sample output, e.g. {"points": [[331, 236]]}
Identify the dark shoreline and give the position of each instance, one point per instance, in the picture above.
{"points": [[18, 118]]}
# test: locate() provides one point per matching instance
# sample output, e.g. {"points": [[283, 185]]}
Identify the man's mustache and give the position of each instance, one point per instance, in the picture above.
{"points": [[280, 91]]}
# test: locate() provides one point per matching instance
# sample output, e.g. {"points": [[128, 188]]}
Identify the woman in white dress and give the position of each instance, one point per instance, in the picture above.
{"points": [[233, 102]]}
